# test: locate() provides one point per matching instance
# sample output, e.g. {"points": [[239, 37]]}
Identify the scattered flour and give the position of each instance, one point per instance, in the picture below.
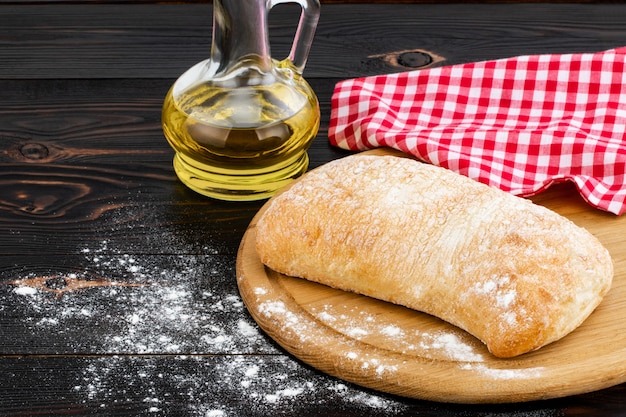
{"points": [[152, 322], [143, 305], [380, 330], [223, 386], [451, 346], [222, 361]]}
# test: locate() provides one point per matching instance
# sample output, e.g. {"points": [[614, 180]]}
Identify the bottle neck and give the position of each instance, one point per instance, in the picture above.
{"points": [[240, 36]]}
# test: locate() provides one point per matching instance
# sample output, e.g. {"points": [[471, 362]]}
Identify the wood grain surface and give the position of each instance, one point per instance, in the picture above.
{"points": [[117, 284], [52, 41]]}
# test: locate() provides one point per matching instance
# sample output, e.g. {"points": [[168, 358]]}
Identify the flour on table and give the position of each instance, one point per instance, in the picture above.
{"points": [[219, 386], [147, 306], [143, 304]]}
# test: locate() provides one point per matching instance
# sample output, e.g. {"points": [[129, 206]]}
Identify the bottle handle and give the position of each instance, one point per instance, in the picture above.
{"points": [[304, 33]]}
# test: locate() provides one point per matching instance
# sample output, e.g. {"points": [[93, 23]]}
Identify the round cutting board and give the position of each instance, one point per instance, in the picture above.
{"points": [[401, 351]]}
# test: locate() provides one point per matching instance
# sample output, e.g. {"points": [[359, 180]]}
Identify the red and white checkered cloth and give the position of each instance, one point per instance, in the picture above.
{"points": [[520, 124]]}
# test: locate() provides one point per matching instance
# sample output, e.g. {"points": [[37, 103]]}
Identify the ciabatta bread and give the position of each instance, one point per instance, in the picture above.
{"points": [[512, 273]]}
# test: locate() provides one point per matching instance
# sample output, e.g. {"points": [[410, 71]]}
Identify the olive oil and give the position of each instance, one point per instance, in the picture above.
{"points": [[241, 143], [241, 121]]}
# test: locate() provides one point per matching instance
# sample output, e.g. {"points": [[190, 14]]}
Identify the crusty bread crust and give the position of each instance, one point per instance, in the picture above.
{"points": [[514, 274]]}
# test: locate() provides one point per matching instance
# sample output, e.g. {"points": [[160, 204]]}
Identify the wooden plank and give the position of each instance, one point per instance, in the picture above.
{"points": [[245, 385], [162, 41], [126, 2], [62, 210], [104, 300], [86, 160]]}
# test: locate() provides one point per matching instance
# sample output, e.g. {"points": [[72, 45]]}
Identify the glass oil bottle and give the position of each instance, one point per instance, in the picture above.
{"points": [[241, 122]]}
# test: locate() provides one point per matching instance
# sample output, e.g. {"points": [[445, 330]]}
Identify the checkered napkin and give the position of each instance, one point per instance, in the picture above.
{"points": [[520, 124]]}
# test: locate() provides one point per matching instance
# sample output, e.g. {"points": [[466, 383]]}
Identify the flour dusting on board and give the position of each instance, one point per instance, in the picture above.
{"points": [[361, 324], [503, 374]]}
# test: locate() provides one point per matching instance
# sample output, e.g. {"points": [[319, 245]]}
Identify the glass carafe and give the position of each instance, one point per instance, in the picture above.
{"points": [[241, 122]]}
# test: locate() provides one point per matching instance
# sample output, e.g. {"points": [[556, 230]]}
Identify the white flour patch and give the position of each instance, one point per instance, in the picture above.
{"points": [[25, 290], [392, 330], [499, 289], [451, 346], [260, 291], [503, 374], [505, 299], [357, 332]]}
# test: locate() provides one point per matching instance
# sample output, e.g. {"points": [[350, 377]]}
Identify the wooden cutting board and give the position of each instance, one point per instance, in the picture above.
{"points": [[400, 351]]}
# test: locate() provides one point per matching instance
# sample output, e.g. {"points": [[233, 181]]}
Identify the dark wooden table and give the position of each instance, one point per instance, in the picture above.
{"points": [[117, 284]]}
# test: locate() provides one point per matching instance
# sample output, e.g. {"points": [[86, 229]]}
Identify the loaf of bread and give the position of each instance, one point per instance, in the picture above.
{"points": [[514, 274]]}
